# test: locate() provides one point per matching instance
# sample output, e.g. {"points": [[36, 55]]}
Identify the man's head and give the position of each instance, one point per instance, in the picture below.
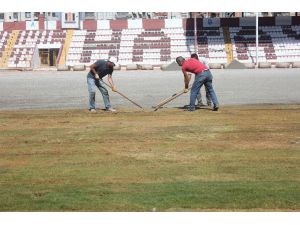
{"points": [[180, 60], [112, 61], [194, 56]]}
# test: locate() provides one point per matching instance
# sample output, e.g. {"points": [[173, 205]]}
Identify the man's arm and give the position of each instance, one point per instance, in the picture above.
{"points": [[187, 78], [92, 68], [111, 82]]}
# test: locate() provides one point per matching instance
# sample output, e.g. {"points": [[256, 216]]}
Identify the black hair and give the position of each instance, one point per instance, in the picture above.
{"points": [[179, 59], [194, 55]]}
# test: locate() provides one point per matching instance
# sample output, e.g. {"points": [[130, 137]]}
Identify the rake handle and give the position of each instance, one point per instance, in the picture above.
{"points": [[125, 96]]}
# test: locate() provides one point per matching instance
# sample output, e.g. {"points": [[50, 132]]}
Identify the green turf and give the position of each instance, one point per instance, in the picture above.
{"points": [[239, 159]]}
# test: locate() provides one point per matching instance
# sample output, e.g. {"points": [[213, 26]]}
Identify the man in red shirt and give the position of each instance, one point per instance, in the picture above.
{"points": [[202, 76], [199, 97]]}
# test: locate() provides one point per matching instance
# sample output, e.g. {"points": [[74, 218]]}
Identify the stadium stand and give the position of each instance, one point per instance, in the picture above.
{"points": [[151, 41], [276, 43], [286, 40], [88, 46], [4, 37], [27, 43]]}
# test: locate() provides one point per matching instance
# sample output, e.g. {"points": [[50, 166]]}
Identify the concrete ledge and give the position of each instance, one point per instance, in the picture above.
{"points": [[282, 65], [63, 68], [250, 65], [79, 68], [146, 67], [163, 67], [296, 65], [264, 65], [131, 67], [215, 65], [17, 69], [117, 67]]}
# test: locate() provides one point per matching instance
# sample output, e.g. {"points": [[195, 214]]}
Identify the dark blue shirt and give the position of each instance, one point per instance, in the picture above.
{"points": [[102, 68]]}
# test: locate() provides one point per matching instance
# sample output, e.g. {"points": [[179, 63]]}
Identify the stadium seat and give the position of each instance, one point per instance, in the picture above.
{"points": [[160, 46]]}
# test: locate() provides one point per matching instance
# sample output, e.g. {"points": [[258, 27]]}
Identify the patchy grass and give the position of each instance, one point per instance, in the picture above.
{"points": [[242, 158]]}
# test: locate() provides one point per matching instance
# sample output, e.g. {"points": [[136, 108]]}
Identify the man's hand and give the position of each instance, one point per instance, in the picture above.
{"points": [[185, 90], [114, 89], [97, 77]]}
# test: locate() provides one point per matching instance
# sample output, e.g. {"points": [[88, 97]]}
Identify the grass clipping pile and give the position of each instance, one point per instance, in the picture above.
{"points": [[240, 159]]}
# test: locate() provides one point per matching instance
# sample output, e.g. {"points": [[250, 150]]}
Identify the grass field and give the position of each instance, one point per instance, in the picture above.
{"points": [[242, 158]]}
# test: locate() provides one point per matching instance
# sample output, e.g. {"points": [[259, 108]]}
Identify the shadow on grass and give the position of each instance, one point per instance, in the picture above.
{"points": [[197, 107]]}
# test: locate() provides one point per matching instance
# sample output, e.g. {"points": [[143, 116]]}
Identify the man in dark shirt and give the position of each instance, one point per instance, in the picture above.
{"points": [[98, 70], [202, 76]]}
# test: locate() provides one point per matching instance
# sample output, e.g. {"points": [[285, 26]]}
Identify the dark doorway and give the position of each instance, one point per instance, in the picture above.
{"points": [[48, 57]]}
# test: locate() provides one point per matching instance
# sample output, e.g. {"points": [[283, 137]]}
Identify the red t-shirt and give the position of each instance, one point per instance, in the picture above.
{"points": [[193, 66]]}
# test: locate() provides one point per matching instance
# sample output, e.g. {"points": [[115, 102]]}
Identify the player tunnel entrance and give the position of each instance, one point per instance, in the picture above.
{"points": [[48, 57], [48, 54]]}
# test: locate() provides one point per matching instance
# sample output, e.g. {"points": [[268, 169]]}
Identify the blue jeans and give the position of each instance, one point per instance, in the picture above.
{"points": [[208, 98], [205, 78], [92, 85]]}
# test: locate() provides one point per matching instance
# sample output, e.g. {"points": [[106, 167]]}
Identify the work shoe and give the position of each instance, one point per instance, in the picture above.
{"points": [[111, 110], [92, 110], [216, 108], [189, 109]]}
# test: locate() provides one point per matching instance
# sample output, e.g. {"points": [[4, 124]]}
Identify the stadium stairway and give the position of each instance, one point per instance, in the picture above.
{"points": [[8, 50], [228, 44], [65, 50]]}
